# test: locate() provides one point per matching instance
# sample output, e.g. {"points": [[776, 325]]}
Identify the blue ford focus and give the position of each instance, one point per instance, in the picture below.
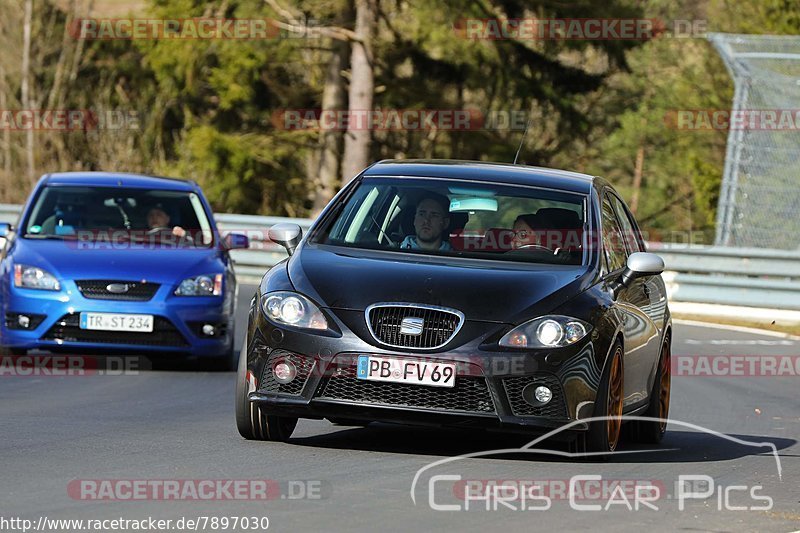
{"points": [[118, 263]]}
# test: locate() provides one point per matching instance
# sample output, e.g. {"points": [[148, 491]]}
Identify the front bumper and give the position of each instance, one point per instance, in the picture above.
{"points": [[177, 322], [487, 392]]}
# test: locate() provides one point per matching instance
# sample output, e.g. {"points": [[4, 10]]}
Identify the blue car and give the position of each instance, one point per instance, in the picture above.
{"points": [[118, 263]]}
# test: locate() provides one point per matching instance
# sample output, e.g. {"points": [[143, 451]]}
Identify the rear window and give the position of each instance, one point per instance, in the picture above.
{"points": [[465, 219]]}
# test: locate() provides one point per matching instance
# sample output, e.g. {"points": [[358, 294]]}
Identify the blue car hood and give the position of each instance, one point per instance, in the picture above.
{"points": [[67, 261]]}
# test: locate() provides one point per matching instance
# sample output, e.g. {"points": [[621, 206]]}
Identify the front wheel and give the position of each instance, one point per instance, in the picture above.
{"points": [[604, 434], [227, 362], [251, 421], [652, 431]]}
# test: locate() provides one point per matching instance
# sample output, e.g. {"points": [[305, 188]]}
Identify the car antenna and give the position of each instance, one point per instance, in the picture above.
{"points": [[524, 133]]}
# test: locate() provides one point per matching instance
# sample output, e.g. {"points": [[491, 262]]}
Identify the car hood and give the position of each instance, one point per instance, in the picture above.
{"points": [[66, 260], [483, 290]]}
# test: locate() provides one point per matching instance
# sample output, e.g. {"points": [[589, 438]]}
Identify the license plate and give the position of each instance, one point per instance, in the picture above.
{"points": [[377, 368], [117, 322]]}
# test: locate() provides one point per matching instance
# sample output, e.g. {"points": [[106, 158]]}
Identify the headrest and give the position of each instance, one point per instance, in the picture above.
{"points": [[557, 218]]}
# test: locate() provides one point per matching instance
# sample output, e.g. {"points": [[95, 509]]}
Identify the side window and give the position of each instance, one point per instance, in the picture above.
{"points": [[613, 243], [628, 228]]}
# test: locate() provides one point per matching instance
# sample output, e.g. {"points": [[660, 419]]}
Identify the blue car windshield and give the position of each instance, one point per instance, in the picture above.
{"points": [[117, 214], [464, 219]]}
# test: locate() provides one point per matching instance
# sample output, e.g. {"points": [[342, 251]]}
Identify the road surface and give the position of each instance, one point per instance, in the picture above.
{"points": [[178, 424]]}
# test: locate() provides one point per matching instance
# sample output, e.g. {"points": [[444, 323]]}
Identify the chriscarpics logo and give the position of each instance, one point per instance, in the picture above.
{"points": [[451, 485]]}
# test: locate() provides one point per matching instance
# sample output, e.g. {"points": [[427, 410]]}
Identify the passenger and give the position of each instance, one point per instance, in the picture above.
{"points": [[431, 220], [524, 232]]}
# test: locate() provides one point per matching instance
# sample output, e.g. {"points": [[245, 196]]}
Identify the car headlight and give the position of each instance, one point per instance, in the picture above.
{"points": [[293, 309], [205, 285], [30, 277], [553, 331]]}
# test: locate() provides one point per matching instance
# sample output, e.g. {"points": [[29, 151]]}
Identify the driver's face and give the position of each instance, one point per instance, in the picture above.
{"points": [[157, 218], [430, 221]]}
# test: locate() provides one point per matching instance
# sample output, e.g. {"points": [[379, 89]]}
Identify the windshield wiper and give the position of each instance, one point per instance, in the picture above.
{"points": [[53, 237]]}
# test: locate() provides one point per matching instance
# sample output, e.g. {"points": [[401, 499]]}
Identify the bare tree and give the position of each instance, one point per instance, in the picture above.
{"points": [[326, 164], [25, 85], [362, 88], [6, 134]]}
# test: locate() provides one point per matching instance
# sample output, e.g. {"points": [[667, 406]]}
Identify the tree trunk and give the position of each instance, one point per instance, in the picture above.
{"points": [[362, 84], [25, 86], [334, 98], [6, 136], [637, 179]]}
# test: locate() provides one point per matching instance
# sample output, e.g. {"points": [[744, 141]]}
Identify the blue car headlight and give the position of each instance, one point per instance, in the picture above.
{"points": [[31, 277], [554, 331], [293, 309], [205, 285]]}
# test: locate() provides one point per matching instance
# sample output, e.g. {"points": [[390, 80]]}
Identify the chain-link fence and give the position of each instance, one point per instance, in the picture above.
{"points": [[759, 202]]}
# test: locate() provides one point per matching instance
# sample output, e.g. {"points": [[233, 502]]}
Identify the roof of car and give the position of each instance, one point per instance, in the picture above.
{"points": [[483, 171], [119, 179]]}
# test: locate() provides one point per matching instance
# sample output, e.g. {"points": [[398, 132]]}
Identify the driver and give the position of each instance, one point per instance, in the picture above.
{"points": [[431, 219], [158, 219]]}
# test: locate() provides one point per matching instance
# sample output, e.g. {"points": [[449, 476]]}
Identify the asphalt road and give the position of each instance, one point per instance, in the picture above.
{"points": [[179, 424]]}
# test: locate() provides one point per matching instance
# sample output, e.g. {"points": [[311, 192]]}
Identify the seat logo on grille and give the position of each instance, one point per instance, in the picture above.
{"points": [[412, 326], [118, 288]]}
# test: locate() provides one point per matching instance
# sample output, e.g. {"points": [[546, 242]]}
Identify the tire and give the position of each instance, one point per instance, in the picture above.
{"points": [[647, 431], [223, 363], [13, 351], [251, 421], [603, 436]]}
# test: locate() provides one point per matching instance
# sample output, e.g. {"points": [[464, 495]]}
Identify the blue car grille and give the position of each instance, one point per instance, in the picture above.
{"points": [[135, 291], [67, 329]]}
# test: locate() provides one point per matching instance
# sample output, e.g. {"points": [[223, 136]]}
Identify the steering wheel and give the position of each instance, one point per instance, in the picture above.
{"points": [[158, 229], [534, 248]]}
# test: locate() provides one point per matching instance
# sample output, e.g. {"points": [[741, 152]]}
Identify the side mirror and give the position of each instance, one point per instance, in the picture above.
{"points": [[236, 241], [5, 229], [287, 235], [641, 264]]}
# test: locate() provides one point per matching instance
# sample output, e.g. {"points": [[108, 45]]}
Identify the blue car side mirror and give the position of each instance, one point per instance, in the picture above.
{"points": [[5, 229], [236, 241]]}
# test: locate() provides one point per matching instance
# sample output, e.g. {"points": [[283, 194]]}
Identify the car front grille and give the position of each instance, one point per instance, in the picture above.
{"points": [[304, 366], [439, 325], [469, 395], [98, 289], [67, 329], [555, 408]]}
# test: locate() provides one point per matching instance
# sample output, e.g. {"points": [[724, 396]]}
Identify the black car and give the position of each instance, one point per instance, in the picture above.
{"points": [[464, 294]]}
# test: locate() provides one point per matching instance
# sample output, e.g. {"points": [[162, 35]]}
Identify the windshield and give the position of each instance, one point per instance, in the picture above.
{"points": [[464, 219], [119, 214]]}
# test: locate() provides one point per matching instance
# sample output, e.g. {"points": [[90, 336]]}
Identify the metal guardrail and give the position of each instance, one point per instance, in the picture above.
{"points": [[753, 277]]}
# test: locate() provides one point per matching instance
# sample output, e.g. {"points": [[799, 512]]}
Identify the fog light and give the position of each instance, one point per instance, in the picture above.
{"points": [[208, 330], [284, 372], [543, 394], [24, 321]]}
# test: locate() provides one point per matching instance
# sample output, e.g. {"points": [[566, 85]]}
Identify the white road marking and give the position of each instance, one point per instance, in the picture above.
{"points": [[741, 329], [747, 342]]}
